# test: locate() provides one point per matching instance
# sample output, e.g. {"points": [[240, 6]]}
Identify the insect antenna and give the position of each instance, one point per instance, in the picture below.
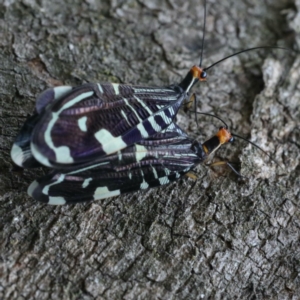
{"points": [[242, 51], [210, 115], [203, 36], [214, 116], [242, 138], [203, 71]]}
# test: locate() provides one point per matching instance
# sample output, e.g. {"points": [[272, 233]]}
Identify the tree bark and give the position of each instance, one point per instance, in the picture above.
{"points": [[216, 237]]}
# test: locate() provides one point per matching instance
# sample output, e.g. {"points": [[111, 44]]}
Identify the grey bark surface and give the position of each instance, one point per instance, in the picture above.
{"points": [[214, 238]]}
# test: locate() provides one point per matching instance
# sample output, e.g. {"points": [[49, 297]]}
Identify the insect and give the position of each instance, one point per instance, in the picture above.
{"points": [[75, 125], [81, 133], [98, 119], [154, 162]]}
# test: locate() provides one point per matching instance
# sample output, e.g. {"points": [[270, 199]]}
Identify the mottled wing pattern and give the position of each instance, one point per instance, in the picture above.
{"points": [[99, 119], [156, 162]]}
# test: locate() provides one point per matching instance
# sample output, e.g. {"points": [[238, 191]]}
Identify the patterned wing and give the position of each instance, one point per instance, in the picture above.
{"points": [[156, 162], [21, 150], [99, 119]]}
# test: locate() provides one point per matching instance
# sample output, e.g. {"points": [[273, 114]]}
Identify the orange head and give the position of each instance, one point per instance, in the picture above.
{"points": [[224, 136], [198, 73]]}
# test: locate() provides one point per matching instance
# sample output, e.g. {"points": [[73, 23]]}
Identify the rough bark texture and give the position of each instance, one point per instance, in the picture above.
{"points": [[210, 239]]}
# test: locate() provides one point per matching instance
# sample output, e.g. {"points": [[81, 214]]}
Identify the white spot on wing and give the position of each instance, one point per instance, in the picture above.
{"points": [[86, 182], [142, 130], [116, 88], [110, 144], [140, 152], [16, 154], [60, 91], [167, 171], [100, 88], [144, 185], [82, 123], [154, 172], [63, 155], [58, 200], [103, 192], [164, 180]]}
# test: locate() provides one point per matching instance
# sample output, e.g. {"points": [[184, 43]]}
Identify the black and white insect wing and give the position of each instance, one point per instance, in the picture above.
{"points": [[51, 95], [135, 168], [99, 119], [21, 150]]}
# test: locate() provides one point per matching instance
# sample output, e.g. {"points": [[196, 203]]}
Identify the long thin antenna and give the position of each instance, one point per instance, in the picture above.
{"points": [[240, 137], [242, 51], [210, 115], [203, 36]]}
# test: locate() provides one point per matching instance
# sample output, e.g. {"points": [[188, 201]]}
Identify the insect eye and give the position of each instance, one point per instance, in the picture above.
{"points": [[203, 74]]}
